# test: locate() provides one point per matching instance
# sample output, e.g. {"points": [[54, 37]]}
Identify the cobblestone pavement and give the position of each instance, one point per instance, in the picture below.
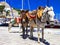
{"points": [[52, 37]]}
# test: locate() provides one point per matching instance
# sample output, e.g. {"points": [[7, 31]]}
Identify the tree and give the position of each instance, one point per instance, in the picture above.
{"points": [[2, 8], [17, 10]]}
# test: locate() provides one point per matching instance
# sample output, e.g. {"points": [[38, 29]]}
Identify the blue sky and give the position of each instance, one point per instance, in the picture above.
{"points": [[34, 4]]}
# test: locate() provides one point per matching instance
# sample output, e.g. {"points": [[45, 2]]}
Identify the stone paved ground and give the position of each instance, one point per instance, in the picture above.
{"points": [[52, 36]]}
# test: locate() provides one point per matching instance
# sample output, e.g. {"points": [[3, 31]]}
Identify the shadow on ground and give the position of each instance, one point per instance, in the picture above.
{"points": [[36, 39]]}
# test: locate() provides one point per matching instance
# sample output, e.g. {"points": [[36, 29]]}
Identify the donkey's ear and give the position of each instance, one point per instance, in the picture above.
{"points": [[51, 8]]}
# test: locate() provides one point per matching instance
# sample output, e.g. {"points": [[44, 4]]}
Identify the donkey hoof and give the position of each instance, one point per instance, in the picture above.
{"points": [[38, 42], [30, 37]]}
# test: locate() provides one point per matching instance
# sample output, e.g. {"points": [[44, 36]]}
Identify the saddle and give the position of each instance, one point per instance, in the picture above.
{"points": [[32, 16]]}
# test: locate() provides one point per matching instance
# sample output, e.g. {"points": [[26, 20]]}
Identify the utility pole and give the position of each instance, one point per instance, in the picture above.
{"points": [[29, 4], [22, 4]]}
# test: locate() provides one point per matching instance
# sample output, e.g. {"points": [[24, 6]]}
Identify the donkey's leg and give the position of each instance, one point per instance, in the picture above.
{"points": [[31, 32], [10, 25], [38, 36], [23, 31], [42, 34], [20, 28], [27, 30]]}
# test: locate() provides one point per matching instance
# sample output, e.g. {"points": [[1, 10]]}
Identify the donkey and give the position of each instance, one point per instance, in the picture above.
{"points": [[24, 22], [40, 22]]}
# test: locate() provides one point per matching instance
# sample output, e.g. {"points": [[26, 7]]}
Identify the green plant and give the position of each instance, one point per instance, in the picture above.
{"points": [[17, 10], [2, 7]]}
